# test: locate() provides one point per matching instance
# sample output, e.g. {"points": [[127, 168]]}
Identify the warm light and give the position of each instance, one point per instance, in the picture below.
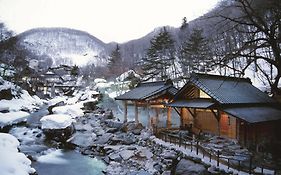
{"points": [[202, 94]]}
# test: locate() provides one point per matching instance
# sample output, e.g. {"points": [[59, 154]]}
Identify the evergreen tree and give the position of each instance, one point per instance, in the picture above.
{"points": [[74, 71], [115, 61], [184, 23], [159, 57], [195, 53]]}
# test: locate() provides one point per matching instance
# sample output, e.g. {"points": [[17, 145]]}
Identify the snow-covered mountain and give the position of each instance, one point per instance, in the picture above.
{"points": [[64, 46]]}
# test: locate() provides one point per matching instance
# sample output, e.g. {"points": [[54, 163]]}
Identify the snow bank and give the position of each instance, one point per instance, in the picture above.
{"points": [[12, 118], [21, 98], [11, 161], [56, 121]]}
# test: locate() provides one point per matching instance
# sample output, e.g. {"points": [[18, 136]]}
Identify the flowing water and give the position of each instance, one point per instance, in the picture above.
{"points": [[68, 163]]}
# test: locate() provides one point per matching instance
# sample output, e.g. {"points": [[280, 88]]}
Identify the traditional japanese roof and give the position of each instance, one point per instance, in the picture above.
{"points": [[228, 90], [235, 96], [147, 90], [254, 114], [192, 103]]}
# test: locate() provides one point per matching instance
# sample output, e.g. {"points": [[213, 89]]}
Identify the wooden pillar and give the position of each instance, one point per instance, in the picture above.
{"points": [[148, 115], [157, 115], [219, 125], [218, 117], [181, 122], [169, 117], [136, 113], [125, 111]]}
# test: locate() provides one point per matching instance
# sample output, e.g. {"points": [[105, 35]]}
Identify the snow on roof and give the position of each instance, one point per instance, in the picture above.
{"points": [[12, 118], [11, 161], [56, 121]]}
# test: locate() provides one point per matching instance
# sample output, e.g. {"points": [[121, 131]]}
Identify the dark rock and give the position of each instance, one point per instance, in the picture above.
{"points": [[189, 167], [111, 130], [50, 108], [106, 159], [113, 124], [60, 135], [131, 126], [104, 138], [90, 106], [6, 94]]}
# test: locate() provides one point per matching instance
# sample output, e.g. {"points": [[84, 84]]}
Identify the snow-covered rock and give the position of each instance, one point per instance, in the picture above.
{"points": [[11, 161], [18, 98], [12, 118], [72, 110], [83, 139], [56, 121], [129, 75]]}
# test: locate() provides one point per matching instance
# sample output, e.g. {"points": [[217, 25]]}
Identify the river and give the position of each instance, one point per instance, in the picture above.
{"points": [[68, 162]]}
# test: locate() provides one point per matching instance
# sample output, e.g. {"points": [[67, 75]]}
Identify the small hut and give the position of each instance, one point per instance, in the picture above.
{"points": [[151, 95]]}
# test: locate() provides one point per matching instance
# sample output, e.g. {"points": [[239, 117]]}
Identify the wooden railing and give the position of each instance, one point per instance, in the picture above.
{"points": [[194, 145]]}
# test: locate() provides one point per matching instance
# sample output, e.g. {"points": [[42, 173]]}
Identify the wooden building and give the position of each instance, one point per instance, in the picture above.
{"points": [[151, 95], [228, 106]]}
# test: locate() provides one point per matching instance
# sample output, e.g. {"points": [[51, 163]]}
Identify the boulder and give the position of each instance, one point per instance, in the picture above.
{"points": [[113, 124], [6, 94], [188, 167], [132, 127], [60, 135], [126, 154], [104, 138], [83, 139]]}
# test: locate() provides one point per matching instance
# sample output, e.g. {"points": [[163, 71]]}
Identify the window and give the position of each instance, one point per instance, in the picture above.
{"points": [[202, 94]]}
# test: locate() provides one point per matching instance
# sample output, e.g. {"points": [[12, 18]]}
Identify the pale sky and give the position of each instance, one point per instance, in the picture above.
{"points": [[108, 20]]}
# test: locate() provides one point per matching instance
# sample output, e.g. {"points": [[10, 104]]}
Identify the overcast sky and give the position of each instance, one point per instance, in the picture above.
{"points": [[108, 20]]}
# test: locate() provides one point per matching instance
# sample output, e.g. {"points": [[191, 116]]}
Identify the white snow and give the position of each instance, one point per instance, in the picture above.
{"points": [[56, 121], [25, 101], [52, 156], [12, 117], [72, 110], [11, 161], [99, 80], [187, 151], [125, 75]]}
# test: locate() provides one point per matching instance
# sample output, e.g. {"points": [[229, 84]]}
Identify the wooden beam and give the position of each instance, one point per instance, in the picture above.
{"points": [[148, 115], [218, 117], [136, 113], [193, 114], [125, 111], [169, 117]]}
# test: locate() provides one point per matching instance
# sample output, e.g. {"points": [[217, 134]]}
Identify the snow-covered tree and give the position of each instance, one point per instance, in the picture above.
{"points": [[196, 53], [254, 27], [115, 61], [160, 57]]}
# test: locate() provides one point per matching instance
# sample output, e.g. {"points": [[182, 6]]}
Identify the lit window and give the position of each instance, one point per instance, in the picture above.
{"points": [[202, 94]]}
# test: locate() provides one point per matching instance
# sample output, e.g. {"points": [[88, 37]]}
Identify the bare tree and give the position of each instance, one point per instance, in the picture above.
{"points": [[253, 27]]}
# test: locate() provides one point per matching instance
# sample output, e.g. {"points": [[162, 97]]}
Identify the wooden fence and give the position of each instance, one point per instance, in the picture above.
{"points": [[194, 145]]}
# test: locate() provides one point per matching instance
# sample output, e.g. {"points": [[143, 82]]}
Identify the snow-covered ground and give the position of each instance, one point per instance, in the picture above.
{"points": [[13, 162], [17, 101]]}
